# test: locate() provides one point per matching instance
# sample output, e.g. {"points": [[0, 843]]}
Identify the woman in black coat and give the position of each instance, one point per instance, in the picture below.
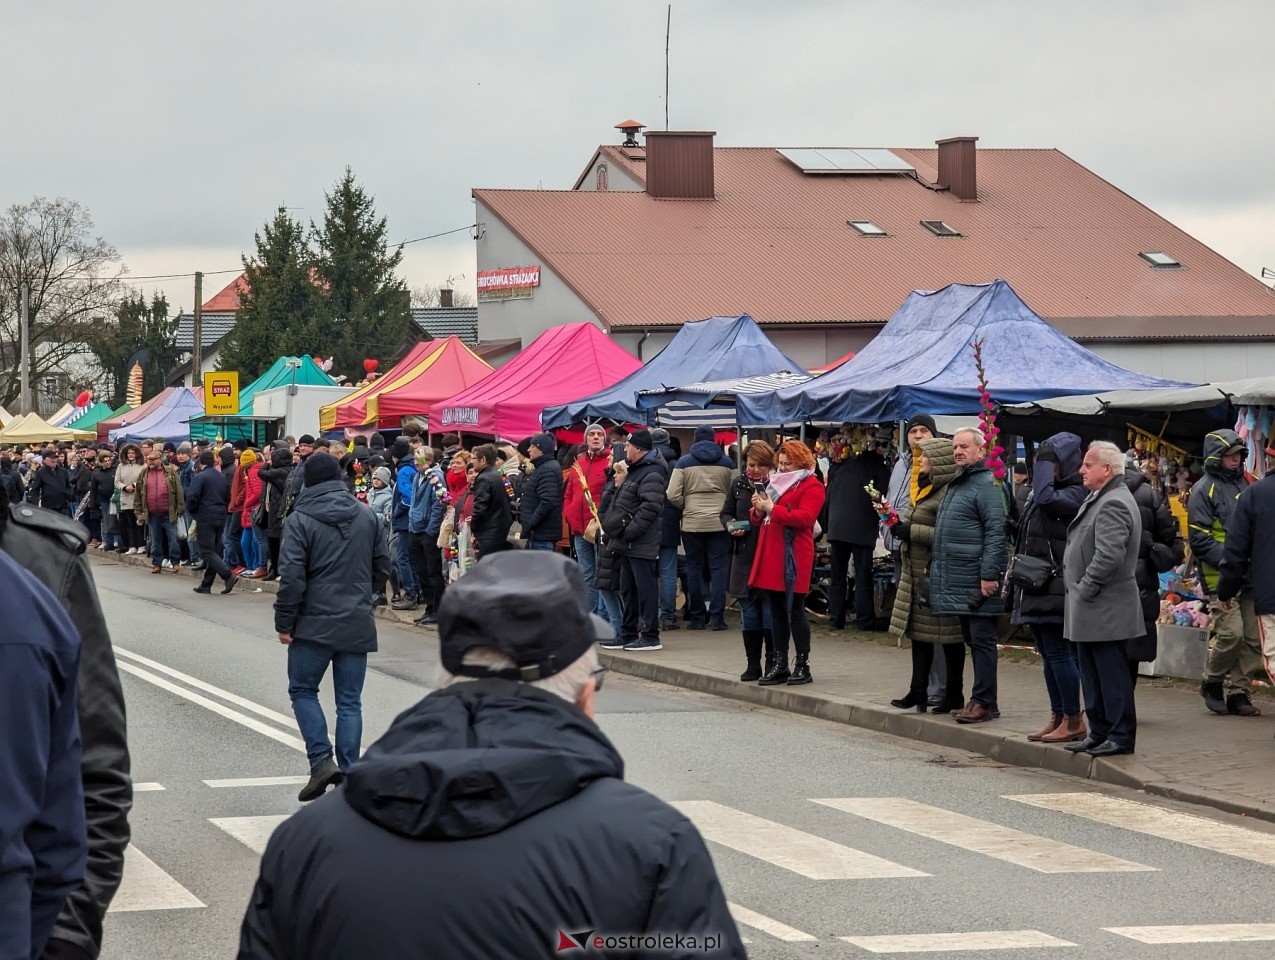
{"points": [[759, 460], [607, 577], [1161, 550], [103, 490], [274, 480]]}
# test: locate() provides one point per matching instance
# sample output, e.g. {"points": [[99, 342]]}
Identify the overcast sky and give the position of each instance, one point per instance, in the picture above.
{"points": [[181, 127]]}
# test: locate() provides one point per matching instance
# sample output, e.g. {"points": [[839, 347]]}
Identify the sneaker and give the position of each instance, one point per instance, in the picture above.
{"points": [[615, 643], [198, 565], [167, 565], [404, 603], [378, 599], [429, 620], [644, 646], [322, 775]]}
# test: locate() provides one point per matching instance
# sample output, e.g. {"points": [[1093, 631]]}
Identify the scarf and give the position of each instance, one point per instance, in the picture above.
{"points": [[781, 483]]}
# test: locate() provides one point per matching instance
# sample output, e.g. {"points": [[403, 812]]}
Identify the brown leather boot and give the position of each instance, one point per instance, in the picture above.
{"points": [[1054, 720], [1072, 728]]}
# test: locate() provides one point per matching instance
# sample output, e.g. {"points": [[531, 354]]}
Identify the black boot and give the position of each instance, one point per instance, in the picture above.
{"points": [[778, 672], [752, 655], [1239, 703], [324, 774], [800, 670], [768, 644], [1213, 696], [912, 699]]}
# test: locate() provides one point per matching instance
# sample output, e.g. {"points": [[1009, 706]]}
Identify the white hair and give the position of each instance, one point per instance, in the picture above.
{"points": [[974, 432], [1109, 454], [566, 683]]}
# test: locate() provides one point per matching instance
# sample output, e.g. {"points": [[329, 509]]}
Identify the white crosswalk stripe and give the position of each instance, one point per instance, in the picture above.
{"points": [[802, 853], [980, 836], [944, 942], [257, 782], [252, 832], [1156, 822], [147, 886], [1198, 933], [778, 930]]}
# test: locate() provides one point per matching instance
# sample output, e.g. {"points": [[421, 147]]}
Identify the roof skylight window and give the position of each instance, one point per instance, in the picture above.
{"points": [[1159, 259], [940, 229], [867, 228]]}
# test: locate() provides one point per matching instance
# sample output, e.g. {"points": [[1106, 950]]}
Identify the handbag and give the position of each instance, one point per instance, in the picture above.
{"points": [[1031, 574], [259, 519]]}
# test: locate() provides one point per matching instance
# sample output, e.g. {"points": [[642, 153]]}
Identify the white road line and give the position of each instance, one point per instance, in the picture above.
{"points": [[258, 782], [1156, 822], [252, 832], [148, 887], [780, 931], [220, 709], [1198, 933], [990, 839], [279, 718], [941, 942], [802, 853], [147, 787]]}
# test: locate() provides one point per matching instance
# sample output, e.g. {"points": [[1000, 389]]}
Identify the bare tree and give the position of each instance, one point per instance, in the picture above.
{"points": [[74, 281], [428, 295]]}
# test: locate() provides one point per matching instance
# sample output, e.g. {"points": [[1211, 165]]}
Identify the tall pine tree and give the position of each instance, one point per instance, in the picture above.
{"points": [[282, 311], [355, 268]]}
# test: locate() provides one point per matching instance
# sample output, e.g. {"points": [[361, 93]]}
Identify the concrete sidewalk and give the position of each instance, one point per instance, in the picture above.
{"points": [[1184, 752]]}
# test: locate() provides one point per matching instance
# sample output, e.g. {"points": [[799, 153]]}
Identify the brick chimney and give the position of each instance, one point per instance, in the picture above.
{"points": [[679, 164], [957, 173], [445, 298]]}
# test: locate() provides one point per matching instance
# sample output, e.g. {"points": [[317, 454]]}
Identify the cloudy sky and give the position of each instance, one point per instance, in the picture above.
{"points": [[183, 126]]}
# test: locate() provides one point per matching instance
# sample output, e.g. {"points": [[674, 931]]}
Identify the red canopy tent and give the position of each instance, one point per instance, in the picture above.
{"points": [[447, 371], [573, 360], [352, 411], [104, 427]]}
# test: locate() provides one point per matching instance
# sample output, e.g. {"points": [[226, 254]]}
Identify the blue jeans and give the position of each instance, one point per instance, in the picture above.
{"points": [[587, 557], [248, 544], [709, 550], [407, 582], [614, 605], [307, 663], [230, 538], [541, 545], [668, 584], [163, 533], [263, 546], [754, 611], [1062, 668]]}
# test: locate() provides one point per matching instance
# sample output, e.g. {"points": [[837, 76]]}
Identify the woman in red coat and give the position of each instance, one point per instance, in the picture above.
{"points": [[785, 557]]}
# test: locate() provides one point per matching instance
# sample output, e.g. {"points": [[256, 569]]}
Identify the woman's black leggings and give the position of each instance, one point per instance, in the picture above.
{"points": [[131, 535], [787, 620]]}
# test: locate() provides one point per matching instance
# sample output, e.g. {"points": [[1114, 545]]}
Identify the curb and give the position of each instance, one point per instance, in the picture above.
{"points": [[1012, 750]]}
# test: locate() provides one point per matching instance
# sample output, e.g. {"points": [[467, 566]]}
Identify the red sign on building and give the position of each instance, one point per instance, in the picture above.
{"points": [[508, 283]]}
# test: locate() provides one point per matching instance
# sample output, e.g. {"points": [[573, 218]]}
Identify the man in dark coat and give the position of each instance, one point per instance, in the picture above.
{"points": [[670, 539], [493, 513], [1160, 550], [632, 528], [323, 613], [1101, 611], [1249, 558], [492, 818], [852, 526], [51, 548], [206, 503], [51, 487], [540, 507], [42, 831], [968, 563]]}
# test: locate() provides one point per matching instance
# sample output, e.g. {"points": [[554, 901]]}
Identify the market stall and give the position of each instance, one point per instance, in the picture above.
{"points": [[168, 422], [285, 371], [453, 368], [33, 429]]}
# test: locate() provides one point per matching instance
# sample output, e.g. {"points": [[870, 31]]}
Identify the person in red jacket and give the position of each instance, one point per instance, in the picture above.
{"points": [[251, 484], [589, 472], [786, 513]]}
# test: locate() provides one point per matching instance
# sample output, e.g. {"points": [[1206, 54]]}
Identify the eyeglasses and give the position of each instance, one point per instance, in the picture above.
{"points": [[598, 676]]}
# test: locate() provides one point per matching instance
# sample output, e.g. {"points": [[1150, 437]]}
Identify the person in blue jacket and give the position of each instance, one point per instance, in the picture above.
{"points": [[43, 838]]}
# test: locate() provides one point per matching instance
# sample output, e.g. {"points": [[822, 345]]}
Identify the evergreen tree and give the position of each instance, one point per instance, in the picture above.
{"points": [[141, 331], [355, 268], [281, 312]]}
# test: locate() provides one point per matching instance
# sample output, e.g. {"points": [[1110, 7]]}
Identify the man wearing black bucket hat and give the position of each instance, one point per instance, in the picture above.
{"points": [[492, 820]]}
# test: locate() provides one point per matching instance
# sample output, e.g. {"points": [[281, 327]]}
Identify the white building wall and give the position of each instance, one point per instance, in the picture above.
{"points": [[618, 180], [1194, 362]]}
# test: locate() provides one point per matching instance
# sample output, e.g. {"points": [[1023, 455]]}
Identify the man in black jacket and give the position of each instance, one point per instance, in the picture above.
{"points": [[492, 818], [1248, 559], [632, 529], [51, 547], [540, 507], [852, 525], [323, 613], [493, 514], [51, 487], [206, 504]]}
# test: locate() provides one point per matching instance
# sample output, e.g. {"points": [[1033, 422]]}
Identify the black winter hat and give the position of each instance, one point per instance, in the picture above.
{"points": [[402, 449], [545, 442], [922, 420], [642, 439], [320, 469], [530, 605], [377, 442], [306, 439]]}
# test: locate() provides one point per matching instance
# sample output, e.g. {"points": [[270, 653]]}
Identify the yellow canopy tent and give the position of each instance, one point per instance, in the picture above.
{"points": [[34, 429]]}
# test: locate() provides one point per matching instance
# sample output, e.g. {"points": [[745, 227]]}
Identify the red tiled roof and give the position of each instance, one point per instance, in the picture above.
{"points": [[227, 301], [775, 244]]}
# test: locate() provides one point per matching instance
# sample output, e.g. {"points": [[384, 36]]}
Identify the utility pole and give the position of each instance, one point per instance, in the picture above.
{"points": [[197, 351], [24, 348]]}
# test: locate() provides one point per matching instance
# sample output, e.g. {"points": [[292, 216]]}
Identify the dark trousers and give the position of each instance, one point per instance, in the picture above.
{"points": [[231, 540], [952, 662], [1104, 673], [980, 637], [840, 555], [788, 620], [208, 536], [711, 549], [131, 535], [640, 588], [427, 558]]}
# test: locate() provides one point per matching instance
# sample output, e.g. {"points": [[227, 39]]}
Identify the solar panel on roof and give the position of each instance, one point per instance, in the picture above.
{"points": [[829, 160]]}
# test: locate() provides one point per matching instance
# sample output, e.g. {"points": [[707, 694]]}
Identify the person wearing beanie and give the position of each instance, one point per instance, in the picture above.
{"points": [[698, 486], [377, 441], [329, 563], [274, 482], [540, 509], [253, 538], [185, 464], [403, 466], [631, 527], [207, 502]]}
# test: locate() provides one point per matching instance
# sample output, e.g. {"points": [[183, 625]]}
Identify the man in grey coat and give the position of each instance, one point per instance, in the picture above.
{"points": [[1102, 610]]}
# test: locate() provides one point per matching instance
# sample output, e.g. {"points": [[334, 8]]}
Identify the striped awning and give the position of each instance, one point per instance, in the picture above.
{"points": [[711, 403]]}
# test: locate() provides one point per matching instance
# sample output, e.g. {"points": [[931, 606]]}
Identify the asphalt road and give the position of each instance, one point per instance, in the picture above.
{"points": [[819, 831]]}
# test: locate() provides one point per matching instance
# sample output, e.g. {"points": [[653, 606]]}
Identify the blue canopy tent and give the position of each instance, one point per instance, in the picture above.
{"points": [[922, 362], [714, 349], [168, 421]]}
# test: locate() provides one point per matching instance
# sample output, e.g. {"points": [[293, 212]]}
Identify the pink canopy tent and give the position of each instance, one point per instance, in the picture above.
{"points": [[562, 364]]}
